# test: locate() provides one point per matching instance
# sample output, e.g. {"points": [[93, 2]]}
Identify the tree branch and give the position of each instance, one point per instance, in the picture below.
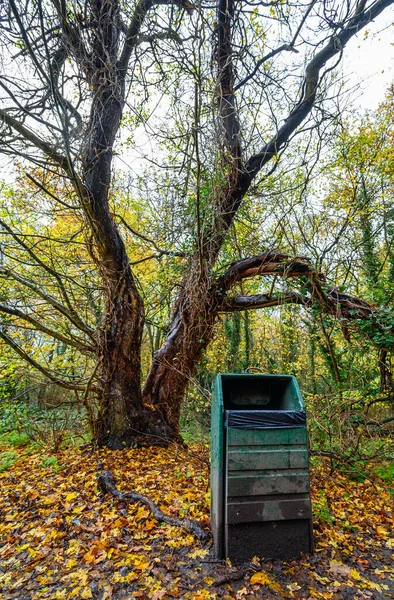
{"points": [[133, 30], [64, 384], [15, 312], [106, 483], [165, 35], [263, 301], [160, 251], [51, 300], [284, 47], [268, 263], [332, 301], [44, 266], [334, 46], [226, 99], [34, 139]]}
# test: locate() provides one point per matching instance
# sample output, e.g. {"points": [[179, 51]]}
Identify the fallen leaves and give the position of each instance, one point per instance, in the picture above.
{"points": [[263, 578], [339, 569], [61, 540]]}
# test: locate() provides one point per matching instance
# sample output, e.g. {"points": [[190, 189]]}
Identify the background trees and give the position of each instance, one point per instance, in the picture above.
{"points": [[221, 93]]}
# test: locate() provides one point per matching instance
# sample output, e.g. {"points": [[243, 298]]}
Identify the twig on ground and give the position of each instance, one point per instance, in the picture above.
{"points": [[106, 483]]}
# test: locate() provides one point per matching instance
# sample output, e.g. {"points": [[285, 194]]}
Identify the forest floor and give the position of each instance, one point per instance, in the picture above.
{"points": [[59, 538]]}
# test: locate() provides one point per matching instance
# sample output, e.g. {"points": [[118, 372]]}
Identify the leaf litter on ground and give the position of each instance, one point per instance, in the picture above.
{"points": [[61, 539]]}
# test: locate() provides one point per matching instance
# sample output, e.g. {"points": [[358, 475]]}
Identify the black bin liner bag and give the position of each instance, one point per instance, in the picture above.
{"points": [[264, 419]]}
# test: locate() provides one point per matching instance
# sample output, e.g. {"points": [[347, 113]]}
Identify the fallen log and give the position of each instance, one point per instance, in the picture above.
{"points": [[107, 485]]}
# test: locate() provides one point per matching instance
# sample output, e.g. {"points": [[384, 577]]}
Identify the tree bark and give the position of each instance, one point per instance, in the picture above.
{"points": [[191, 330], [123, 420]]}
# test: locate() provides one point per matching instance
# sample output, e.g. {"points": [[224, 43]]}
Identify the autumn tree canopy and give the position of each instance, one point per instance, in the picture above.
{"points": [[221, 92]]}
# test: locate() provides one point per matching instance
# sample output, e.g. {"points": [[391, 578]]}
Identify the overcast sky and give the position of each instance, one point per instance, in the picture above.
{"points": [[370, 62]]}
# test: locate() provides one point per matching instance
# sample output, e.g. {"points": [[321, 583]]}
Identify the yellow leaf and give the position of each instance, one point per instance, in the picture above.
{"points": [[49, 500], [71, 563], [199, 553], [354, 574], [60, 594], [86, 593], [261, 578], [71, 496]]}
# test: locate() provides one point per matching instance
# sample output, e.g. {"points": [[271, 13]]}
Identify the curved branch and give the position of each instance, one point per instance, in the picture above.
{"points": [[64, 384], [133, 30], [106, 484], [333, 302], [15, 312], [263, 301], [267, 263], [334, 46], [51, 300]]}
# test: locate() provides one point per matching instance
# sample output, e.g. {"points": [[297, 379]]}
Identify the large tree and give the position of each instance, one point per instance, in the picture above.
{"points": [[72, 70]]}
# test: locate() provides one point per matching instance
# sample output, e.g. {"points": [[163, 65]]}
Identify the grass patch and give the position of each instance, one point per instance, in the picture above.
{"points": [[7, 460]]}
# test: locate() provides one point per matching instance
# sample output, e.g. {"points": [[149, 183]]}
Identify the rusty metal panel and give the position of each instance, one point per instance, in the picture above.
{"points": [[278, 508], [267, 458]]}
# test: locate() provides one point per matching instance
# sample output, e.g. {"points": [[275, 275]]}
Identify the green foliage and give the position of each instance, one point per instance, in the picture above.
{"points": [[321, 509], [51, 461], [7, 459], [386, 472], [18, 439], [23, 423]]}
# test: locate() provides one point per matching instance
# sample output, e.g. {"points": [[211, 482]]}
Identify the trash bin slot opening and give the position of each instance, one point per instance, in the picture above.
{"points": [[254, 392], [264, 419]]}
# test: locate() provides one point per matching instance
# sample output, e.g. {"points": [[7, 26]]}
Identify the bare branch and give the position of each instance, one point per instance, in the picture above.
{"points": [[283, 48], [165, 35], [262, 301], [64, 384], [133, 30], [160, 251], [15, 312], [226, 99], [70, 315], [335, 45], [35, 140], [41, 263]]}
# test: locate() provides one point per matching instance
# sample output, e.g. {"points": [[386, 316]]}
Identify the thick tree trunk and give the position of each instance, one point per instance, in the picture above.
{"points": [[191, 330], [120, 419], [123, 419]]}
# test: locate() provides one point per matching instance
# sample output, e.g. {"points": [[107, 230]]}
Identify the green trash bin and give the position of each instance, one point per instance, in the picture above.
{"points": [[260, 493]]}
